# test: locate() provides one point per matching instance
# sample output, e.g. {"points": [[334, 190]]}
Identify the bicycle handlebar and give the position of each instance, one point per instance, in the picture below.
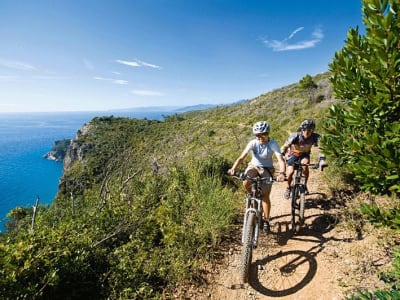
{"points": [[312, 165], [243, 176]]}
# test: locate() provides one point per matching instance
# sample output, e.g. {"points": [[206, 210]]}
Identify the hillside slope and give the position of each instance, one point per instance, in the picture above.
{"points": [[145, 210], [326, 252], [221, 131]]}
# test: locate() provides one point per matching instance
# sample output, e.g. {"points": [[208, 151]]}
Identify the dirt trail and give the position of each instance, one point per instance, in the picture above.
{"points": [[322, 261]]}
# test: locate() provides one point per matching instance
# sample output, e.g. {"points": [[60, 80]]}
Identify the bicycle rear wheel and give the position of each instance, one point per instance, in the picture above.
{"points": [[293, 196], [301, 207], [247, 247]]}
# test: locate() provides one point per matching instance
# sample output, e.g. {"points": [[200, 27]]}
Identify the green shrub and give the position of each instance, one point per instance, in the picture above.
{"points": [[363, 133]]}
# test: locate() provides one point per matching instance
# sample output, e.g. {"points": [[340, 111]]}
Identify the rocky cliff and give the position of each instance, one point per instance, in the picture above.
{"points": [[58, 152], [76, 150]]}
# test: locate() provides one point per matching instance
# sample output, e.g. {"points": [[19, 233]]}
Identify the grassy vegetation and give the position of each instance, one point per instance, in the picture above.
{"points": [[149, 203], [146, 204]]}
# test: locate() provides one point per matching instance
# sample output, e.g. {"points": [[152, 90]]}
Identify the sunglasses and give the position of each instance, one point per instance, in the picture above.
{"points": [[261, 135]]}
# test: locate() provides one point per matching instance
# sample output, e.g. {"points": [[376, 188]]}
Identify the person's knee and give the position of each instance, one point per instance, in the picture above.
{"points": [[246, 185], [265, 196]]}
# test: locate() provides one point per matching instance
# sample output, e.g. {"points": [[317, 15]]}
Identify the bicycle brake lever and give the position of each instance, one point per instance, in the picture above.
{"points": [[323, 167], [243, 176], [240, 175]]}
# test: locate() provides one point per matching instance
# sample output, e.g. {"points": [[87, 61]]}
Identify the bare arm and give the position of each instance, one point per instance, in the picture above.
{"points": [[282, 167], [322, 160], [237, 163], [282, 164], [285, 147]]}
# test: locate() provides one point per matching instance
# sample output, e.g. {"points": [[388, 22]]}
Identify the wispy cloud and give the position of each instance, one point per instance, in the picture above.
{"points": [[148, 65], [113, 80], [18, 65], [287, 44], [137, 63], [294, 33], [147, 93]]}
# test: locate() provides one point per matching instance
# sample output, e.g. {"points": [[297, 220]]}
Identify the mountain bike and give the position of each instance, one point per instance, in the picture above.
{"points": [[298, 194], [252, 221]]}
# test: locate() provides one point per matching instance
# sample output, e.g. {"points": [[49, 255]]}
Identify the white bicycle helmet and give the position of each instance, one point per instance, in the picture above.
{"points": [[307, 124], [261, 127]]}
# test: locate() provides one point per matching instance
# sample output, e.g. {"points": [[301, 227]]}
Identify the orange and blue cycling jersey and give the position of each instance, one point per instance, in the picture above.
{"points": [[298, 145]]}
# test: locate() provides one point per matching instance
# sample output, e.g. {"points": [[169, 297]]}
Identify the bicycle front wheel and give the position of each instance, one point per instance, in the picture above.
{"points": [[247, 248]]}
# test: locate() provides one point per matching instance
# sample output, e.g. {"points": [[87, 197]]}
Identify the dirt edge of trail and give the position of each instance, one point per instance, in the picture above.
{"points": [[327, 259]]}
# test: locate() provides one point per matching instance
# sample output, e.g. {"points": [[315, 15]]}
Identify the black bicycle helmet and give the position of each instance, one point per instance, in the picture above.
{"points": [[307, 124], [261, 127]]}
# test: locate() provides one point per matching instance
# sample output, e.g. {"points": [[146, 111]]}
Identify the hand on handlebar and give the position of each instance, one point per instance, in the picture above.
{"points": [[231, 171], [280, 177], [322, 164]]}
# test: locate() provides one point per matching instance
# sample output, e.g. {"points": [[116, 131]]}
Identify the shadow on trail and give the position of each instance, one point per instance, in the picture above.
{"points": [[287, 272], [284, 273]]}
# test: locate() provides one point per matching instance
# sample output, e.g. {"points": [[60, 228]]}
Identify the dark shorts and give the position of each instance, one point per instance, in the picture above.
{"points": [[292, 159]]}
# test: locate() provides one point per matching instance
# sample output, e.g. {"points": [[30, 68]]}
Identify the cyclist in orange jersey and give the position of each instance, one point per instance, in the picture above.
{"points": [[299, 145]]}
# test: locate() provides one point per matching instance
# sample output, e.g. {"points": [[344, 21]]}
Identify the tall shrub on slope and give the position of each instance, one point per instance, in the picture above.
{"points": [[363, 132]]}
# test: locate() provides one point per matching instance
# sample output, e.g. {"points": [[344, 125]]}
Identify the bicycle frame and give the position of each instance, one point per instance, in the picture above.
{"points": [[299, 179], [298, 190], [253, 205], [251, 222]]}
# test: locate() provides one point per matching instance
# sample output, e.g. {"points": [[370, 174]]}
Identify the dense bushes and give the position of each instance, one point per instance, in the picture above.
{"points": [[363, 132], [131, 247]]}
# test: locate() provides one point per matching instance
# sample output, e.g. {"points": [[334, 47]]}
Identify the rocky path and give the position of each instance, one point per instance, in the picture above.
{"points": [[323, 261]]}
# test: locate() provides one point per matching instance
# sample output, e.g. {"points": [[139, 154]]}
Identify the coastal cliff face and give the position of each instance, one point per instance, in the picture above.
{"points": [[76, 149], [75, 153], [58, 152], [68, 151]]}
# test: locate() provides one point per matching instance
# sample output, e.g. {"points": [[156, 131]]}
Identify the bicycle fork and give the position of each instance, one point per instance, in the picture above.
{"points": [[252, 206]]}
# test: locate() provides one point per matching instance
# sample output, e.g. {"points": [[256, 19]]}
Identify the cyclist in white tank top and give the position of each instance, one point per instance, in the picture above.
{"points": [[261, 164]]}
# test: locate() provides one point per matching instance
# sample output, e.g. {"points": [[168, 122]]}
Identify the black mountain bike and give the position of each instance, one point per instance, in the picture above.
{"points": [[298, 195], [252, 222]]}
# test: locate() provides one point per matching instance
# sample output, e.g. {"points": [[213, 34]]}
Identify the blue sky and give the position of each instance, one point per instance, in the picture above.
{"points": [[91, 55]]}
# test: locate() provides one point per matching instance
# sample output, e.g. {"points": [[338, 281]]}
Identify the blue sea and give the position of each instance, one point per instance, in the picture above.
{"points": [[24, 138]]}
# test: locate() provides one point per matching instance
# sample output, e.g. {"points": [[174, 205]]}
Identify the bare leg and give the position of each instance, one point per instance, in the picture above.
{"points": [[306, 171], [266, 203], [247, 186], [290, 171]]}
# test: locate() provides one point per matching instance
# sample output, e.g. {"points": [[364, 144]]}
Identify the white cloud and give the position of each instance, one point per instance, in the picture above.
{"points": [[116, 81], [148, 65], [147, 93], [137, 63], [284, 45], [120, 81], [13, 64], [128, 63], [294, 32]]}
